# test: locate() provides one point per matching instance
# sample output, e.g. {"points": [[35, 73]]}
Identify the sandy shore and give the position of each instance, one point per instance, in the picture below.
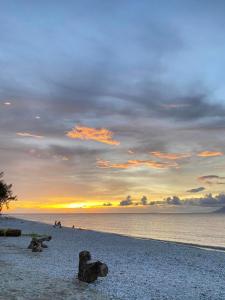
{"points": [[138, 269]]}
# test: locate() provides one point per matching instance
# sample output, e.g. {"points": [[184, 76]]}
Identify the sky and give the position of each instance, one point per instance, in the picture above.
{"points": [[104, 102]]}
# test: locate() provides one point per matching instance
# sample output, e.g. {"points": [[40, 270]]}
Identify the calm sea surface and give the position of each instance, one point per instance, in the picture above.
{"points": [[202, 229]]}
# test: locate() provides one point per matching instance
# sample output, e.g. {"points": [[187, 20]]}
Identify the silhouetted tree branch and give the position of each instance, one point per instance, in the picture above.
{"points": [[6, 194]]}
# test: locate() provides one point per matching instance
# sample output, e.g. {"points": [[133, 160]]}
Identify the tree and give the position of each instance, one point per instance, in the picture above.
{"points": [[6, 194]]}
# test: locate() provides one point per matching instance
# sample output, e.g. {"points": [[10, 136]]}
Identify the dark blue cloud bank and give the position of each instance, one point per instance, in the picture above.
{"points": [[207, 200], [196, 190]]}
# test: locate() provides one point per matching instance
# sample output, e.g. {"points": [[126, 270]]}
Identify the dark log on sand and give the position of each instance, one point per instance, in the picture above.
{"points": [[10, 232], [37, 244], [89, 270]]}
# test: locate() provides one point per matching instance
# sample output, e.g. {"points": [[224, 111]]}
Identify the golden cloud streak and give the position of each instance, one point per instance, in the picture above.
{"points": [[210, 153], [170, 156], [105, 164], [101, 135], [27, 134]]}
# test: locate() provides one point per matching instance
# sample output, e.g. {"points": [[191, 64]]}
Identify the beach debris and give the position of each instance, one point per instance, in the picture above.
{"points": [[90, 270], [37, 244], [57, 224], [10, 232]]}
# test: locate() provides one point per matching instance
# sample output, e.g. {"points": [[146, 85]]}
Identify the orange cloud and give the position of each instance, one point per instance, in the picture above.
{"points": [[101, 135], [210, 153], [27, 134], [170, 156], [106, 164]]}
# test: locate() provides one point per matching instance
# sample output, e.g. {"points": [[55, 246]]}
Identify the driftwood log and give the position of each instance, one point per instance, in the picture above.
{"points": [[37, 244], [10, 232], [90, 270]]}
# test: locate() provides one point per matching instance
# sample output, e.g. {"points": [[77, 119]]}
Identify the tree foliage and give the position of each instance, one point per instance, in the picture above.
{"points": [[6, 194]]}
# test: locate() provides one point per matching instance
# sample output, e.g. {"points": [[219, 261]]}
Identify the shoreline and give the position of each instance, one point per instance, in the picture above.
{"points": [[138, 268], [201, 246]]}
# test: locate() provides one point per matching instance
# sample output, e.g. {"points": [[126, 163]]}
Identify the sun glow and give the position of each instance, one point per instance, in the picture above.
{"points": [[72, 205], [64, 205], [75, 205]]}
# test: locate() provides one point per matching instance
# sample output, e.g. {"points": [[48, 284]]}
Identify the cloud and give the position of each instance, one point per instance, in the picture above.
{"points": [[196, 190], [170, 156], [137, 93], [144, 200], [7, 103], [128, 201], [211, 179], [173, 200], [210, 153], [107, 204], [174, 105], [207, 200], [135, 163], [27, 134], [191, 107], [101, 135]]}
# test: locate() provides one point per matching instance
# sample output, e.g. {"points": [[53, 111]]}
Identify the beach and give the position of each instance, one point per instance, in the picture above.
{"points": [[138, 268]]}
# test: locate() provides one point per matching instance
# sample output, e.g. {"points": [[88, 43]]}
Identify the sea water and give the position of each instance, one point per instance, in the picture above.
{"points": [[201, 229]]}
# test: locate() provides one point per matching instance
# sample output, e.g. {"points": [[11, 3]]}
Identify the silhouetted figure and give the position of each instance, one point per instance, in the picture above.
{"points": [[57, 224]]}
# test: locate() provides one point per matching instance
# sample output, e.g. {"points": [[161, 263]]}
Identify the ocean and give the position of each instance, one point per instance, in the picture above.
{"points": [[199, 229]]}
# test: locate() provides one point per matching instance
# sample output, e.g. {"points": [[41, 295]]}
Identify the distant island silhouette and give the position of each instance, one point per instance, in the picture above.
{"points": [[220, 210]]}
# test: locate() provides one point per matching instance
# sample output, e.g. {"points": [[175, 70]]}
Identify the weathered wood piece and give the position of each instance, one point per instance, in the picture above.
{"points": [[10, 232], [90, 270], [37, 244]]}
